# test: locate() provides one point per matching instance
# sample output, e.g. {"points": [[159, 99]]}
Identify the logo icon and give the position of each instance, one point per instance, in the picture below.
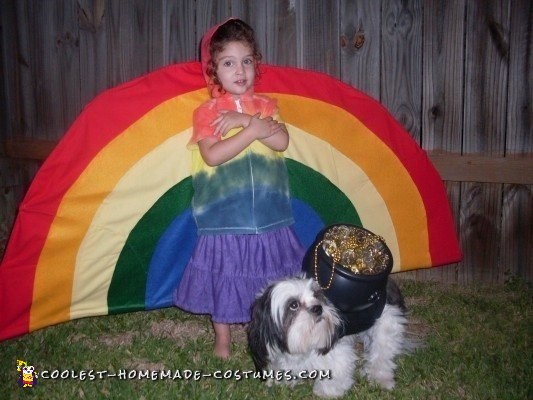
{"points": [[27, 374]]}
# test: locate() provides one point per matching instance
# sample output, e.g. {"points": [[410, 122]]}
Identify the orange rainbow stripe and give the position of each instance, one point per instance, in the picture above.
{"points": [[90, 195]]}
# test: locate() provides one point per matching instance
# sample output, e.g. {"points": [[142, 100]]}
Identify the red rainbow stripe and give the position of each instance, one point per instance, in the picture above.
{"points": [[118, 112], [444, 248]]}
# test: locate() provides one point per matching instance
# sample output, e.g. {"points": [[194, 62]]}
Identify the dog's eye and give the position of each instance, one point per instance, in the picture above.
{"points": [[294, 305]]}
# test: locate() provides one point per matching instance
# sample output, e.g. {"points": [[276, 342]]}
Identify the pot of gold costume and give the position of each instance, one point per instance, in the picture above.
{"points": [[352, 266]]}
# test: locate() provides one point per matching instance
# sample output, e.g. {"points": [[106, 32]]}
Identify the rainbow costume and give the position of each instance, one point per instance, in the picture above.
{"points": [[243, 213]]}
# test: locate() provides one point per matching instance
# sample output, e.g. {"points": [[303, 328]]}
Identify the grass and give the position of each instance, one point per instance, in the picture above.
{"points": [[477, 346]]}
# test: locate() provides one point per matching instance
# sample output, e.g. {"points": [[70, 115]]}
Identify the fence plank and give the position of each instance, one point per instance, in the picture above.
{"points": [[275, 24], [442, 110], [442, 99], [517, 233], [401, 61], [120, 41], [48, 52], [179, 36], [94, 64], [485, 118], [360, 43], [210, 13], [15, 177], [519, 138], [469, 168], [317, 36], [10, 116], [256, 14], [451, 167], [281, 38], [517, 215]]}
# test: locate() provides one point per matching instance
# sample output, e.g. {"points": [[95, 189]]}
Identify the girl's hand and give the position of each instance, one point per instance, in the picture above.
{"points": [[277, 127], [278, 140], [263, 127], [227, 120]]}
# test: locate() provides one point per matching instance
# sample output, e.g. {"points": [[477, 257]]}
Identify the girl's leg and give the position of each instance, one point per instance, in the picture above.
{"points": [[222, 340]]}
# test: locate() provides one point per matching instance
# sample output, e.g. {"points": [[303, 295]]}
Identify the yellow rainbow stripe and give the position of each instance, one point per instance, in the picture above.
{"points": [[385, 171], [96, 200], [117, 215], [54, 272], [356, 185], [120, 211]]}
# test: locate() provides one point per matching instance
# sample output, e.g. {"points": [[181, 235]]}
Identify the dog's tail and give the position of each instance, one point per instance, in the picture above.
{"points": [[394, 295], [414, 332]]}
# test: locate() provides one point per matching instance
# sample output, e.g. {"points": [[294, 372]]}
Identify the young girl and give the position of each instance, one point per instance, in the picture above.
{"points": [[241, 201]]}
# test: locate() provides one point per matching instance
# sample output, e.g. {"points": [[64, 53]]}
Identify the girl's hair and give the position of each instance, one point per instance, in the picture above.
{"points": [[234, 30]]}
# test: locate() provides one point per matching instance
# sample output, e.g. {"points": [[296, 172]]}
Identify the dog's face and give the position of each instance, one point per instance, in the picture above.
{"points": [[293, 316], [307, 319]]}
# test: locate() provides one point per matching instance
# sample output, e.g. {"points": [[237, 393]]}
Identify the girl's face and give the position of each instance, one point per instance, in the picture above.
{"points": [[236, 68]]}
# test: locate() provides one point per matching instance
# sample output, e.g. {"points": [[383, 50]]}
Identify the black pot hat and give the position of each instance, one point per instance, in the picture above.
{"points": [[359, 296]]}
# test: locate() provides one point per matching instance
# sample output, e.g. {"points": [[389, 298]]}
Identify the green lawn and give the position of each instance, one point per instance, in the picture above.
{"points": [[476, 346]]}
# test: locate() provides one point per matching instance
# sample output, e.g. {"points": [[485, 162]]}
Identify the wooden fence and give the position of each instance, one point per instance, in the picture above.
{"points": [[456, 73]]}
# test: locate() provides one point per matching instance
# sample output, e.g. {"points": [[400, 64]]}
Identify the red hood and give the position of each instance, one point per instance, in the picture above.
{"points": [[213, 89]]}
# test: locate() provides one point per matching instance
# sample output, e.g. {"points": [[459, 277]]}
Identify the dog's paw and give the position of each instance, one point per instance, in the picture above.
{"points": [[330, 389], [382, 378], [388, 383], [287, 382]]}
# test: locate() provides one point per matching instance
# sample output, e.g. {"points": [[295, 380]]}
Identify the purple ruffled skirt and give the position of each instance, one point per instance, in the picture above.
{"points": [[226, 272]]}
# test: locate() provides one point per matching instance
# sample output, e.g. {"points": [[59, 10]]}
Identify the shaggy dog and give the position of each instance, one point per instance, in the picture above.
{"points": [[295, 330]]}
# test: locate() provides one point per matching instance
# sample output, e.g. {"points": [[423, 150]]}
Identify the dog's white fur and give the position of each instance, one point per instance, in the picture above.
{"points": [[295, 328]]}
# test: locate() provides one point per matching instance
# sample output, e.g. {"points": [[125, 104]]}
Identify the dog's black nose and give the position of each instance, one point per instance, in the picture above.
{"points": [[317, 310]]}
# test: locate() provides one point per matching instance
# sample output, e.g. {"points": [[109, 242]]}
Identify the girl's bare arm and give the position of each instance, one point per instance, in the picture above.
{"points": [[279, 139], [216, 152]]}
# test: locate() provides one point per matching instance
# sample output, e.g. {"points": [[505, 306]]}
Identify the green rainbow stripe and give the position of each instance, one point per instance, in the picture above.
{"points": [[125, 153], [134, 260], [313, 188], [127, 290]]}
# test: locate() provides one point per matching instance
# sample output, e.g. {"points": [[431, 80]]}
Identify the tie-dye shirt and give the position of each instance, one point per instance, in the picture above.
{"points": [[248, 194]]}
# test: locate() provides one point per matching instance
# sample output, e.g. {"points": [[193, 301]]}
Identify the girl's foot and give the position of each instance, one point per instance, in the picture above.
{"points": [[222, 351], [222, 340]]}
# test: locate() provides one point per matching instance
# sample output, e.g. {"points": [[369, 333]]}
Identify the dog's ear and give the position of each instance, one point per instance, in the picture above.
{"points": [[337, 334], [263, 331], [256, 342], [340, 329]]}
